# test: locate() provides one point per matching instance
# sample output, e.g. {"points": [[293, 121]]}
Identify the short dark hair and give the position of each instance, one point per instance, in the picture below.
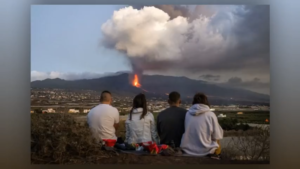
{"points": [[174, 97], [200, 98], [103, 96]]}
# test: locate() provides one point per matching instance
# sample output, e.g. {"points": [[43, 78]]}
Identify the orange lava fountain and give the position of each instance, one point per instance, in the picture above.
{"points": [[135, 81]]}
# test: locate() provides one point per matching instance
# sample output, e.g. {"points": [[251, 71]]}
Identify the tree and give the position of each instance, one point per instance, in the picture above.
{"points": [[38, 111]]}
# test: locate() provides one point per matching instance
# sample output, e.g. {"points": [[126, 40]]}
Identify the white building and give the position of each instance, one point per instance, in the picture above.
{"points": [[49, 110], [221, 115], [232, 106], [254, 107], [158, 110], [86, 110], [73, 111]]}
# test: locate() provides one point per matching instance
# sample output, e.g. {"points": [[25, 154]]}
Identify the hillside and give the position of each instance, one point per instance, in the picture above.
{"points": [[70, 143], [158, 86]]}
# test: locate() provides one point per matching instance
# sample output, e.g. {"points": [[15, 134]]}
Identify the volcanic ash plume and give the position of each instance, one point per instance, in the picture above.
{"points": [[207, 38], [148, 36]]}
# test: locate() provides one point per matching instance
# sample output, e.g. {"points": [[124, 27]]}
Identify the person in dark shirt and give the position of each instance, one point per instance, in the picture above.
{"points": [[170, 122]]}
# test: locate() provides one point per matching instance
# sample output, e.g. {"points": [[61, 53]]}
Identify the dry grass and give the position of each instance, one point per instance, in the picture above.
{"points": [[58, 139], [249, 145]]}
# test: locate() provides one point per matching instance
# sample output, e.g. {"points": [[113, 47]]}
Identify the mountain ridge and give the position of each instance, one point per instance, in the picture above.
{"points": [[155, 85]]}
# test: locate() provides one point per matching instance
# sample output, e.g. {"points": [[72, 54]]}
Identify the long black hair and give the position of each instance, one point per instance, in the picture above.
{"points": [[139, 101], [201, 98]]}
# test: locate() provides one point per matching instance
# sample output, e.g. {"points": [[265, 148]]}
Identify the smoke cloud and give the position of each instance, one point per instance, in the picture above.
{"points": [[174, 10], [191, 12], [210, 77], [256, 84], [194, 39]]}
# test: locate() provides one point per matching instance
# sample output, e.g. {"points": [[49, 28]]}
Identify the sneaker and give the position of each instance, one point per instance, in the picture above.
{"points": [[120, 140], [129, 146], [120, 146]]}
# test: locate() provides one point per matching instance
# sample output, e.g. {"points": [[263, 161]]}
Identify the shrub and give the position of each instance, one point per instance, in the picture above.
{"points": [[232, 124], [228, 123], [38, 111], [123, 114], [56, 138], [243, 127], [249, 145]]}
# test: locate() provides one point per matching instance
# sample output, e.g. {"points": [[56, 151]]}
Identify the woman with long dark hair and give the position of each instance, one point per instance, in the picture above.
{"points": [[202, 129], [140, 124]]}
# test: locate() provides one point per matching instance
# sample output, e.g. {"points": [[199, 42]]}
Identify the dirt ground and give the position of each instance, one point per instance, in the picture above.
{"points": [[134, 159], [114, 158]]}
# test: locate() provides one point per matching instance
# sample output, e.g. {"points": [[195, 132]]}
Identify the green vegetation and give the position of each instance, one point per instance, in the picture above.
{"points": [[38, 111], [232, 124], [155, 115], [256, 117]]}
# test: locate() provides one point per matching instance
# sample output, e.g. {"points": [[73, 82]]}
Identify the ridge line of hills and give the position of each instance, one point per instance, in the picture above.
{"points": [[158, 86]]}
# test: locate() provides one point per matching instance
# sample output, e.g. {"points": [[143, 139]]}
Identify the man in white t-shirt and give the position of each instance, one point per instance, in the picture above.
{"points": [[103, 120]]}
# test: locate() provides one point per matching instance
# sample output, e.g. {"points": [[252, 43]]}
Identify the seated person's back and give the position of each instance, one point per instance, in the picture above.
{"points": [[140, 124], [170, 122], [102, 120], [202, 130]]}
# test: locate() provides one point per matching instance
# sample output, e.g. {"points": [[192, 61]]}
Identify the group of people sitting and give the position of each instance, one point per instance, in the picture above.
{"points": [[195, 131]]}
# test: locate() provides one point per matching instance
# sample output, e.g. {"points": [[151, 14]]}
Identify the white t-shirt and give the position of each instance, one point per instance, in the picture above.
{"points": [[101, 120], [201, 131]]}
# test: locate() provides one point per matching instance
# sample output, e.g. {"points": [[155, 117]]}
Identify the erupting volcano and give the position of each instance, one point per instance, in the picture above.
{"points": [[135, 81]]}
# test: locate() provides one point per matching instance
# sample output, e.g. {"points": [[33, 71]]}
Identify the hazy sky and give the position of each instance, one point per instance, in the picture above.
{"points": [[66, 39], [70, 42]]}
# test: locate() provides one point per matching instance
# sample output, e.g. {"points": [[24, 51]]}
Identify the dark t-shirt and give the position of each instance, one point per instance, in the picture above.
{"points": [[170, 125]]}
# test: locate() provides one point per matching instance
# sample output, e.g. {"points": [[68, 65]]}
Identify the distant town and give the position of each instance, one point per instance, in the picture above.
{"points": [[81, 101]]}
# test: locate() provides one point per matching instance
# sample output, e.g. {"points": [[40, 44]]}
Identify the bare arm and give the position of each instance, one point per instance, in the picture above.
{"points": [[116, 126], [116, 120]]}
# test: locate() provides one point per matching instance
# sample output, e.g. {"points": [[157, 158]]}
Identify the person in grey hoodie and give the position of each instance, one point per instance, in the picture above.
{"points": [[202, 129]]}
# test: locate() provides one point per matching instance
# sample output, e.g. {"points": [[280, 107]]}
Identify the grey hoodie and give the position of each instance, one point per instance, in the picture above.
{"points": [[198, 109], [201, 131]]}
